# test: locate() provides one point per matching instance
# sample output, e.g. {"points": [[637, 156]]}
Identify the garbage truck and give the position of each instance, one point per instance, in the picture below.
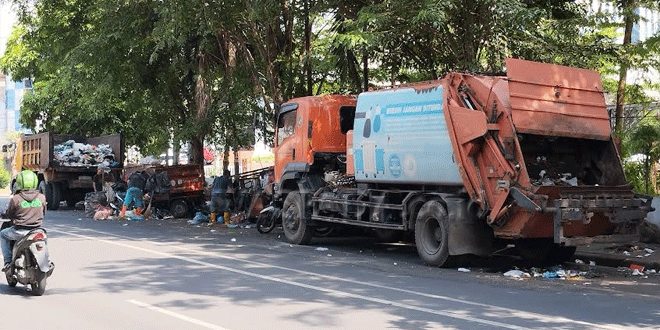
{"points": [[66, 164], [464, 164]]}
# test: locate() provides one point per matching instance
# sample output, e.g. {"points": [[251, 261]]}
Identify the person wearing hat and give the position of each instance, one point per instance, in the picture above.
{"points": [[26, 211]]}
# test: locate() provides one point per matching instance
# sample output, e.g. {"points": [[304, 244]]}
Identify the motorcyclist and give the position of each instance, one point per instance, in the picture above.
{"points": [[26, 210]]}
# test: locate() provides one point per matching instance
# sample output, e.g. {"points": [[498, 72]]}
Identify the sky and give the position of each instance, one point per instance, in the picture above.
{"points": [[7, 19]]}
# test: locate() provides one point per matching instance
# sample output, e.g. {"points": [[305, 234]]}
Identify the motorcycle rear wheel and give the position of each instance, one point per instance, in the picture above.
{"points": [[265, 223], [39, 286]]}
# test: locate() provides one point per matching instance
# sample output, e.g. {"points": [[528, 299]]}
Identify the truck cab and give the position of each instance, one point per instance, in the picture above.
{"points": [[311, 136]]}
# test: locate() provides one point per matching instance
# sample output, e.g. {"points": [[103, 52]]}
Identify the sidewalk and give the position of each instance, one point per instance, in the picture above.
{"points": [[621, 254]]}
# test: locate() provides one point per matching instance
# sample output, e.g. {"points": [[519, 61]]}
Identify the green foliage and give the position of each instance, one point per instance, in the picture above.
{"points": [[634, 172], [644, 140], [5, 178], [199, 71]]}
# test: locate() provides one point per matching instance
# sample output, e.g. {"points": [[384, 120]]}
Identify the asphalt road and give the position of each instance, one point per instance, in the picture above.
{"points": [[167, 274]]}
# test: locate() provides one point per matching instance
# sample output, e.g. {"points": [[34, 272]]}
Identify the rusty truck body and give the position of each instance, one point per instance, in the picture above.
{"points": [[461, 162], [57, 180]]}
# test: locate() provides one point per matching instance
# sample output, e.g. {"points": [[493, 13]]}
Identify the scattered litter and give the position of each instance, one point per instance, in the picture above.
{"points": [[636, 267], [648, 254], [647, 250], [134, 217], [626, 253], [124, 225], [79, 219], [636, 272], [329, 255], [652, 271], [321, 249], [463, 270], [514, 273], [640, 256], [578, 261], [549, 274], [233, 240], [232, 226], [592, 263], [213, 230], [395, 264]]}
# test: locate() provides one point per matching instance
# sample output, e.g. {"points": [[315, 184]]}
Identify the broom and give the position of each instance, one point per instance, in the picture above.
{"points": [[147, 212]]}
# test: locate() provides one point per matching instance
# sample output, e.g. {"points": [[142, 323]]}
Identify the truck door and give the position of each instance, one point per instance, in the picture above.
{"points": [[289, 139]]}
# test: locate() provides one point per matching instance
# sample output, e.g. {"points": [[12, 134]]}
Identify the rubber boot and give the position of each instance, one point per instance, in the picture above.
{"points": [[226, 218], [123, 211], [212, 216], [138, 211]]}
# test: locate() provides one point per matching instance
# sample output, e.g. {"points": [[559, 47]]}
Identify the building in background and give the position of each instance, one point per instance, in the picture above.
{"points": [[11, 95]]}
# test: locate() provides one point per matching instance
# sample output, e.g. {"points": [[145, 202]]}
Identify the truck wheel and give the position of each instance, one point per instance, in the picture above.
{"points": [[294, 220], [432, 233], [48, 191], [14, 188], [57, 194], [179, 208]]}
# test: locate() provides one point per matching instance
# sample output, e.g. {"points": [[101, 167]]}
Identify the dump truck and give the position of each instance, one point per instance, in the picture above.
{"points": [[464, 164], [64, 179]]}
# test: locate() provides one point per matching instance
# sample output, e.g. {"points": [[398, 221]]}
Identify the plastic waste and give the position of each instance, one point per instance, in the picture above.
{"points": [[199, 218], [550, 274], [514, 273]]}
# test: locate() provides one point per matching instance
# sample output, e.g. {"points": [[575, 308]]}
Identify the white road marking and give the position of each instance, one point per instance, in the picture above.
{"points": [[514, 312], [177, 315]]}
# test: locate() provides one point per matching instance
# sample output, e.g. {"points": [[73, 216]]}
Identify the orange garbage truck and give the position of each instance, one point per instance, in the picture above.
{"points": [[463, 164]]}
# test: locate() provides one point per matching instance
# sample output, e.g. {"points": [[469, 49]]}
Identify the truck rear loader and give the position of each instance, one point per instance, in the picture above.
{"points": [[463, 163], [60, 181]]}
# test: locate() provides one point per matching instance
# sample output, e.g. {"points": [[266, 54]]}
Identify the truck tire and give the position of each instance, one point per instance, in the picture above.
{"points": [[56, 188], [432, 234], [179, 208], [294, 220], [52, 195], [14, 188]]}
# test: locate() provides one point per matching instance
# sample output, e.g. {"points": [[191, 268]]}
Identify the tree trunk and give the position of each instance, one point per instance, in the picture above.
{"points": [[365, 71], [623, 70], [308, 37], [196, 152], [225, 158]]}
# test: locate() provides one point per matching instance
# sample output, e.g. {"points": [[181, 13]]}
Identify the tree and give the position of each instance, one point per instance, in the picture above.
{"points": [[148, 68], [631, 55], [645, 139]]}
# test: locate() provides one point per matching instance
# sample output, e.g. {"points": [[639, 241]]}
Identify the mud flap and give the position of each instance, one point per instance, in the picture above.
{"points": [[467, 233], [41, 256]]}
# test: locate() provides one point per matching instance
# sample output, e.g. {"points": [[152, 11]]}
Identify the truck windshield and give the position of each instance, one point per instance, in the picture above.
{"points": [[286, 126]]}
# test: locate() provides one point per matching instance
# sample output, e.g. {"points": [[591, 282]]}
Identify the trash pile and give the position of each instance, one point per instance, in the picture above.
{"points": [[555, 272], [638, 270], [558, 179], [235, 220], [72, 153], [550, 173]]}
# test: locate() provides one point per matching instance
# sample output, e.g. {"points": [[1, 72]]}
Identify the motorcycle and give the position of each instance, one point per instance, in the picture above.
{"points": [[30, 262], [268, 219]]}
